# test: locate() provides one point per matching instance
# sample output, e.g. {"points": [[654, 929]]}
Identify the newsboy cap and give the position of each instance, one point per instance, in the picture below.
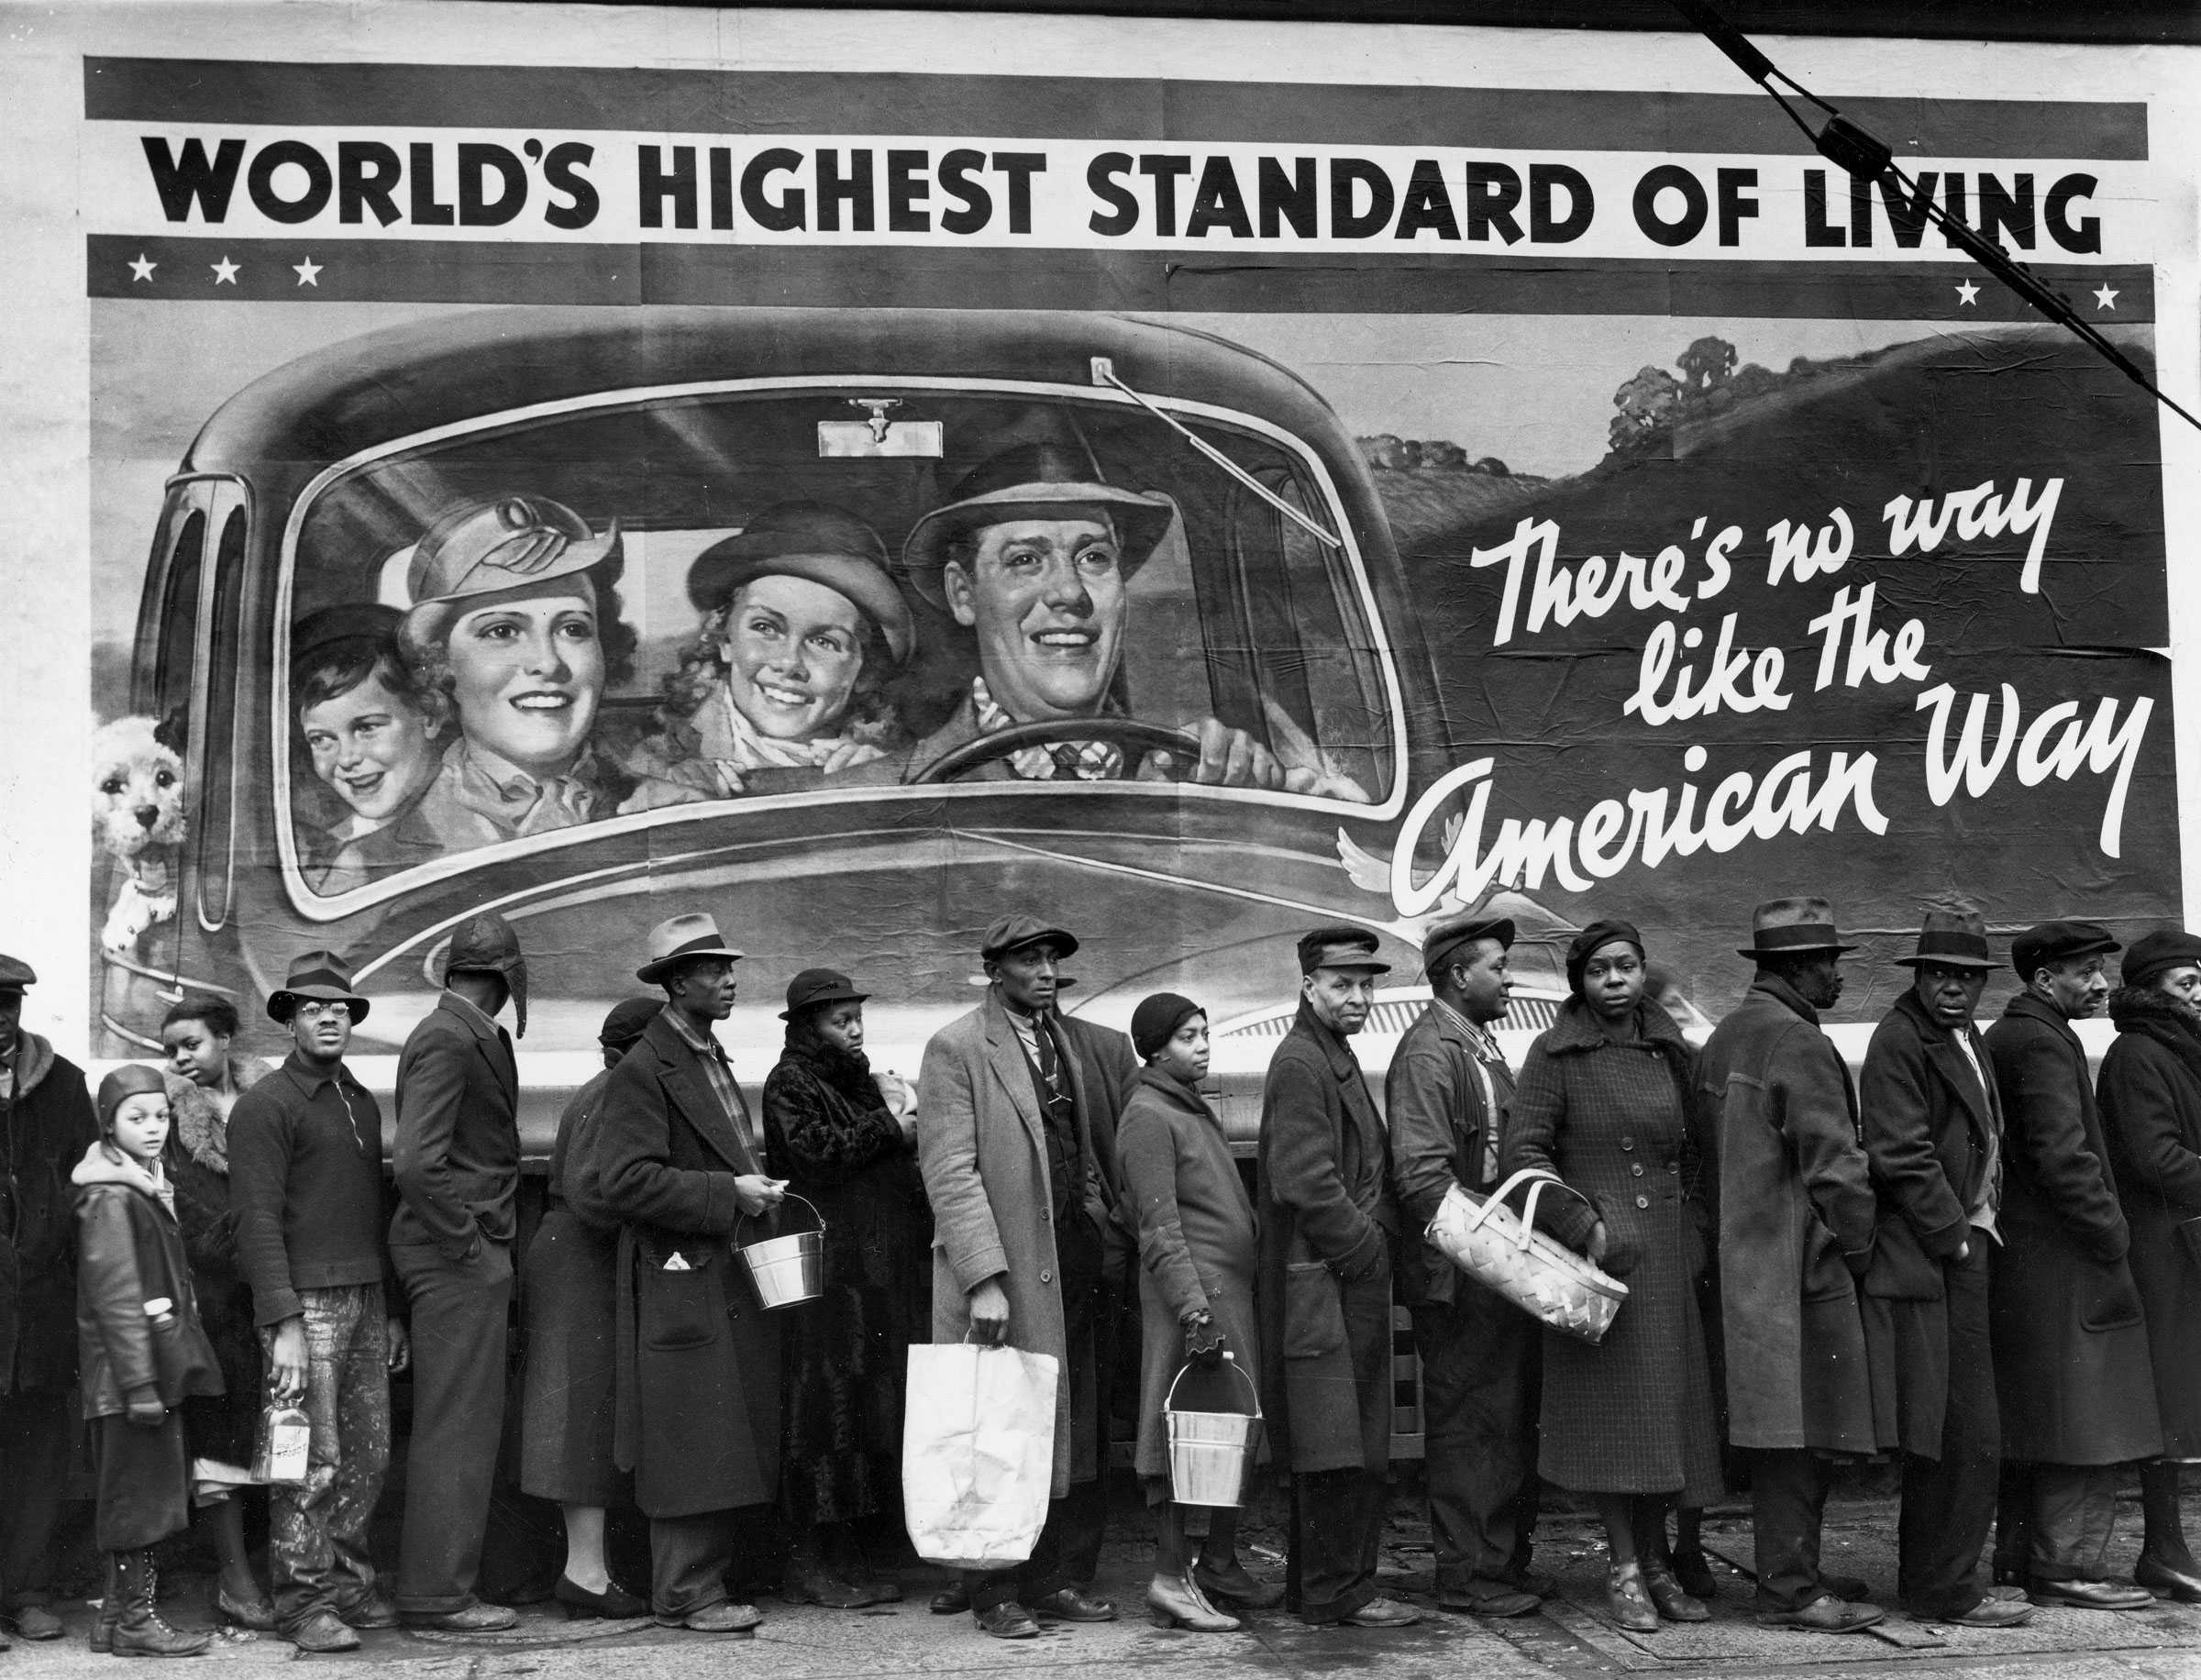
{"points": [[1789, 927], [485, 944], [16, 974], [1340, 947], [1440, 944], [2058, 942], [1950, 939], [1014, 933], [2154, 954], [628, 1019]]}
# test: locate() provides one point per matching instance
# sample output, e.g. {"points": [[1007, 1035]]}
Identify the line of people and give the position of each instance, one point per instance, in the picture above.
{"points": [[1968, 1259]]}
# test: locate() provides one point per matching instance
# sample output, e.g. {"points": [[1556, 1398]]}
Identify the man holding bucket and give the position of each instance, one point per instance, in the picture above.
{"points": [[697, 1382]]}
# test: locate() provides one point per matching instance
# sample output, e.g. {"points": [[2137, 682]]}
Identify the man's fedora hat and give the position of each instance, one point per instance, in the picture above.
{"points": [[1790, 927], [808, 540], [511, 546], [817, 986], [1340, 947], [485, 944], [1034, 481], [322, 976], [677, 938], [1951, 939], [2058, 942], [16, 974], [1014, 933], [1449, 936]]}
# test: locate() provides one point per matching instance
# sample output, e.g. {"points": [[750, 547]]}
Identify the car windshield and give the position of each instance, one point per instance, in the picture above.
{"points": [[650, 606]]}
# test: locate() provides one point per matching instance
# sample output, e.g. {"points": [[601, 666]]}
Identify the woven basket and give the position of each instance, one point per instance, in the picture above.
{"points": [[1485, 1239]]}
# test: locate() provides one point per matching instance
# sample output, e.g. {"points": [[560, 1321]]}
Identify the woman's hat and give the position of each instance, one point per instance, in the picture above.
{"points": [[1155, 1022], [1034, 481], [678, 938], [2154, 954], [817, 986], [810, 540], [1951, 939], [321, 975], [131, 1079], [479, 550], [1789, 927], [630, 1017], [1595, 938]]}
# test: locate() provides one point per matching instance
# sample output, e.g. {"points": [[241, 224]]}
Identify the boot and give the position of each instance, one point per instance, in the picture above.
{"points": [[110, 1609], [1174, 1601], [2166, 1566], [140, 1631]]}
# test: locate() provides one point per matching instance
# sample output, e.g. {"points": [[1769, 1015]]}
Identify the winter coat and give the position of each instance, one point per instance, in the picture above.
{"points": [[45, 1128], [1443, 1106], [697, 1381], [2150, 1099], [2072, 1376], [1196, 1244], [1633, 1413], [1328, 1224], [1111, 1074], [131, 1255], [1795, 1225], [457, 1158], [197, 1163], [984, 1150]]}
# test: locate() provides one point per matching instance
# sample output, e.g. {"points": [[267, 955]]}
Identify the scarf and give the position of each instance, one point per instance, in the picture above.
{"points": [[747, 749], [200, 1127], [104, 1163]]}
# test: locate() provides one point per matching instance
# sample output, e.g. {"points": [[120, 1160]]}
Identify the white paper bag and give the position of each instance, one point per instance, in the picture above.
{"points": [[978, 1454]]}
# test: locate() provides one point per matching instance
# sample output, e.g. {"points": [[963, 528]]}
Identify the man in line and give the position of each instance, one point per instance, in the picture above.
{"points": [[1021, 1207], [1933, 1131], [46, 1125], [1795, 1230], [676, 1159], [305, 1185], [2072, 1379], [1327, 1225], [458, 1171], [1444, 1099]]}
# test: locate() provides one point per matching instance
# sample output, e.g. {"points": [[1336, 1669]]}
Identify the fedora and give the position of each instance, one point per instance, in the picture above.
{"points": [[1951, 939], [1034, 481], [321, 975], [817, 986], [676, 939], [810, 540], [1788, 927]]}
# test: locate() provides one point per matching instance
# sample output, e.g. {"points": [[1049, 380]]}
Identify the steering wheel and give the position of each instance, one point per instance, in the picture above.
{"points": [[1128, 732]]}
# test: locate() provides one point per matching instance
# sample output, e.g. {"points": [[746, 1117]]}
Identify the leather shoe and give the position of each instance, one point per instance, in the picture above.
{"points": [[950, 1600], [475, 1617], [1175, 1602], [1008, 1619], [614, 1603], [321, 1634], [1236, 1585], [813, 1583], [2170, 1580], [1850, 1590], [1989, 1613], [256, 1613], [1532, 1581], [35, 1621], [1694, 1570], [1673, 1602], [1490, 1598], [1067, 1604], [2092, 1595], [1628, 1600], [721, 1618], [1383, 1613], [1825, 1614], [374, 1610]]}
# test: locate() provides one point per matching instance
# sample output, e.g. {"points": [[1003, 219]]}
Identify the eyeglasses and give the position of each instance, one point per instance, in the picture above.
{"points": [[305, 1009]]}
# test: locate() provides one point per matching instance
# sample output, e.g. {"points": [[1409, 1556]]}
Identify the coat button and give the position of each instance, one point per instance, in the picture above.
{"points": [[1642, 1201], [1044, 1217], [1627, 1143], [1673, 1167], [1046, 1277], [1636, 1168]]}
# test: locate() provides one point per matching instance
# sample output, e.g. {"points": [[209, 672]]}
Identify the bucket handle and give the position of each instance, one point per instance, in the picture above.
{"points": [[790, 1195], [1231, 1360], [1537, 1178]]}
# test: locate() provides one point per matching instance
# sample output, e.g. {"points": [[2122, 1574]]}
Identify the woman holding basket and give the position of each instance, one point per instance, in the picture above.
{"points": [[1602, 1102]]}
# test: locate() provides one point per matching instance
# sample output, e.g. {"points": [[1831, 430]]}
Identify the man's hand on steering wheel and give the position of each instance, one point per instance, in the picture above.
{"points": [[1228, 758]]}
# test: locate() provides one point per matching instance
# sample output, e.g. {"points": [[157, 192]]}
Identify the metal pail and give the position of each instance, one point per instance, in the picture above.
{"points": [[1212, 1453], [790, 1269]]}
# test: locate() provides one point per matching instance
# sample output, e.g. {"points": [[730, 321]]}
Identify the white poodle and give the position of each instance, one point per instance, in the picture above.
{"points": [[139, 819]]}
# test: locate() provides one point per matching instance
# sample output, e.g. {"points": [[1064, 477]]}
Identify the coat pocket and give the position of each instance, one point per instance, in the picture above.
{"points": [[1826, 1275], [2113, 1303], [1314, 1317], [680, 1309]]}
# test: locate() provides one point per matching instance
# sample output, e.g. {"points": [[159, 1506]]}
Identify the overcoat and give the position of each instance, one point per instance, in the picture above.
{"points": [[456, 1159], [1930, 1133], [2072, 1377], [131, 1253], [197, 1162], [1795, 1226], [1633, 1413], [568, 1308], [983, 1152], [2151, 1097], [1196, 1244], [697, 1382], [45, 1129], [1327, 1223]]}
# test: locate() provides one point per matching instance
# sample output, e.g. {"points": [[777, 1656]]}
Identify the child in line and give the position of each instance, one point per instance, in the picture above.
{"points": [[140, 1353]]}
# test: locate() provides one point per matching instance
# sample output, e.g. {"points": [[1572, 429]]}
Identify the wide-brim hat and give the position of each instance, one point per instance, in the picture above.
{"points": [[677, 939], [1793, 927], [481, 551], [1034, 481], [814, 987], [1951, 939], [322, 976], [819, 544], [1014, 933]]}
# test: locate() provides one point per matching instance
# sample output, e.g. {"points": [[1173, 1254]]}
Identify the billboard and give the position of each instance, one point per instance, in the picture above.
{"points": [[859, 491]]}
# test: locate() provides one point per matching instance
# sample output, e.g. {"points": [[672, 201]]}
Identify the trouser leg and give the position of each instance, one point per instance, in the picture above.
{"points": [[2014, 1522], [2074, 1508], [1084, 1525], [1788, 1493], [1039, 1574], [458, 1317], [1949, 1502], [2165, 1538], [687, 1560], [1474, 1439], [1334, 1542], [317, 1553], [38, 1430]]}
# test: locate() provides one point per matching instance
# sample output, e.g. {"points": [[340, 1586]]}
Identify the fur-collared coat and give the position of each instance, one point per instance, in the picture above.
{"points": [[197, 1161], [45, 1129], [2150, 1099]]}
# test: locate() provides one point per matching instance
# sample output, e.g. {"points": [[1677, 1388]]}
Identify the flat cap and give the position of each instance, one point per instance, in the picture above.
{"points": [[1014, 932], [1443, 939], [1340, 947], [2058, 942], [16, 974]]}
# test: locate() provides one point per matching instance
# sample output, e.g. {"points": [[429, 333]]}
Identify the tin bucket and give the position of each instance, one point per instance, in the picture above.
{"points": [[787, 1270], [1212, 1453]]}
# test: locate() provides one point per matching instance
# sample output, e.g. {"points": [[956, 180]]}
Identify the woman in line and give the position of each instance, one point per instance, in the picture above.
{"points": [[829, 1128], [1197, 1261], [1603, 1102], [801, 627], [140, 1356], [2149, 1094], [568, 1308], [204, 1079]]}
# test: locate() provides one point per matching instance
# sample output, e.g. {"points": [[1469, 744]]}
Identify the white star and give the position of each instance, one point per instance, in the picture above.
{"points": [[308, 273], [1967, 294], [143, 268], [2105, 296], [225, 271]]}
